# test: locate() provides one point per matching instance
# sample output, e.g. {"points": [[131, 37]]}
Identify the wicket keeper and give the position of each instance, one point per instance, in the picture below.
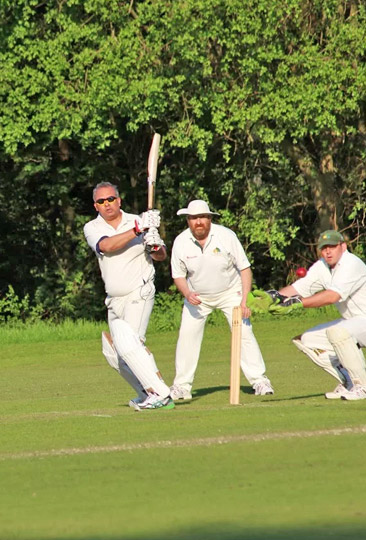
{"points": [[338, 278]]}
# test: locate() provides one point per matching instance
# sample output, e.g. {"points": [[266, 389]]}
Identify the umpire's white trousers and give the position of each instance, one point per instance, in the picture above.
{"points": [[191, 335]]}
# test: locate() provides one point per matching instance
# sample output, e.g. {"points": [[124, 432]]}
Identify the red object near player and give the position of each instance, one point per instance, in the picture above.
{"points": [[301, 272]]}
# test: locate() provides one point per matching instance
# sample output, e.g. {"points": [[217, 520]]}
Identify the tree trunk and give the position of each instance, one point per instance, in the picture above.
{"points": [[321, 179]]}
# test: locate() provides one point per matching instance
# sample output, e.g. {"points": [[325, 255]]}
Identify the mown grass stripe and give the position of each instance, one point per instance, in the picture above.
{"points": [[205, 441]]}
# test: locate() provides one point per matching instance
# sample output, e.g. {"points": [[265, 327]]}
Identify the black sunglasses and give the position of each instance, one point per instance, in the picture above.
{"points": [[109, 199]]}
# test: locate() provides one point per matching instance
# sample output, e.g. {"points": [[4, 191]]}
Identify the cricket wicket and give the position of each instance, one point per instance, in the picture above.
{"points": [[235, 356]]}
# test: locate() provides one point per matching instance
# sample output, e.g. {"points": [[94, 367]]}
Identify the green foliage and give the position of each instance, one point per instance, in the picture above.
{"points": [[261, 104], [15, 310], [167, 311], [21, 321]]}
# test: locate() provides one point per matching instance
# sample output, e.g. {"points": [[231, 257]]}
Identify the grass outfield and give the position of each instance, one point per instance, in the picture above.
{"points": [[77, 463]]}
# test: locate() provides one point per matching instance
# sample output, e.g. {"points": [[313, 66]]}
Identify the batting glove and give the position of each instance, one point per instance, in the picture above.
{"points": [[152, 240], [148, 219], [293, 303]]}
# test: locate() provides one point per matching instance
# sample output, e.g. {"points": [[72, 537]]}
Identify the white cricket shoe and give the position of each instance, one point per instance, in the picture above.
{"points": [[357, 392], [135, 402], [338, 392], [263, 388], [153, 401], [178, 392]]}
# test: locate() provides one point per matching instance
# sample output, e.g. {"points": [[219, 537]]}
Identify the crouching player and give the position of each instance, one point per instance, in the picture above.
{"points": [[338, 278]]}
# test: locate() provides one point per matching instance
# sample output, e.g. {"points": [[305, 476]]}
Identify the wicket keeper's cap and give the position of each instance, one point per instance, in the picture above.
{"points": [[196, 208], [330, 238]]}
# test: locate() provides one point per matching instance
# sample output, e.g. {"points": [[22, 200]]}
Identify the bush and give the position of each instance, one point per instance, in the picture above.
{"points": [[21, 314], [167, 311], [14, 310]]}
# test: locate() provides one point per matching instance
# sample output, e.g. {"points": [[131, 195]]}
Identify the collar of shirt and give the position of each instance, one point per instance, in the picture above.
{"points": [[120, 224], [208, 239]]}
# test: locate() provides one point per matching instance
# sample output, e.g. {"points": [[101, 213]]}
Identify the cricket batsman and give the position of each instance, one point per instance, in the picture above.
{"points": [[126, 246]]}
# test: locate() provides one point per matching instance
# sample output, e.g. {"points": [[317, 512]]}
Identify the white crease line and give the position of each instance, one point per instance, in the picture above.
{"points": [[14, 418], [206, 441]]}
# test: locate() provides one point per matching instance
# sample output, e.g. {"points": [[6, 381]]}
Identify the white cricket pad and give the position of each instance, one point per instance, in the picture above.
{"points": [[119, 365], [134, 353], [349, 354], [139, 362], [109, 352], [321, 359]]}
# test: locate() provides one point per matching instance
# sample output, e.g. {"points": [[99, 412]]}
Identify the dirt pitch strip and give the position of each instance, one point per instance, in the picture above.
{"points": [[186, 443]]}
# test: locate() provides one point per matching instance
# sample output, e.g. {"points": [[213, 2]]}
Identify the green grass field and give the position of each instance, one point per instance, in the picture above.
{"points": [[77, 463]]}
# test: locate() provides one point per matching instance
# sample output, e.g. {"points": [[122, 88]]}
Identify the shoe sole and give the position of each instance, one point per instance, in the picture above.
{"points": [[330, 395], [133, 405], [168, 406], [352, 399], [182, 399]]}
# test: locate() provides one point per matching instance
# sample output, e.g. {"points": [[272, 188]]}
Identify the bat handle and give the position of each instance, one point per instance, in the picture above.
{"points": [[150, 195]]}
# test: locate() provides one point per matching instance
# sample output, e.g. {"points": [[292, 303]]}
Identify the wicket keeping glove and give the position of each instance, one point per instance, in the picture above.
{"points": [[147, 220], [259, 301], [152, 240], [293, 303]]}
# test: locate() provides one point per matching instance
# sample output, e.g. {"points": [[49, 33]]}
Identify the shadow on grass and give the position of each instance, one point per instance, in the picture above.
{"points": [[212, 389], [220, 532], [292, 398], [201, 392]]}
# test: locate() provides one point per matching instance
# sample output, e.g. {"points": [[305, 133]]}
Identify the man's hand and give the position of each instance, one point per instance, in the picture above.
{"points": [[152, 240], [293, 303], [245, 309], [147, 220], [259, 301], [193, 298]]}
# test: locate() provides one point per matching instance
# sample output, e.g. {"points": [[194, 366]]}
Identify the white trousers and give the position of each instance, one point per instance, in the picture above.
{"points": [[316, 337], [191, 335], [128, 317], [134, 308]]}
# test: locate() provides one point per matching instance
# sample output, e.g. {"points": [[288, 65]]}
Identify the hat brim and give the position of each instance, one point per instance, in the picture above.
{"points": [[184, 212], [323, 244]]}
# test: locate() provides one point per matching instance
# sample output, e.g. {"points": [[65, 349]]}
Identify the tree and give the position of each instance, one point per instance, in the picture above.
{"points": [[261, 105]]}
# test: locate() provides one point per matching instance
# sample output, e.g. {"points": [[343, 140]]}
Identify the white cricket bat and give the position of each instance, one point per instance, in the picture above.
{"points": [[152, 167]]}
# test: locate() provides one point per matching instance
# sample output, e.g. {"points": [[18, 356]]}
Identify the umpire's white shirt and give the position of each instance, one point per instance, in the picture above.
{"points": [[125, 270], [213, 269], [347, 278]]}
